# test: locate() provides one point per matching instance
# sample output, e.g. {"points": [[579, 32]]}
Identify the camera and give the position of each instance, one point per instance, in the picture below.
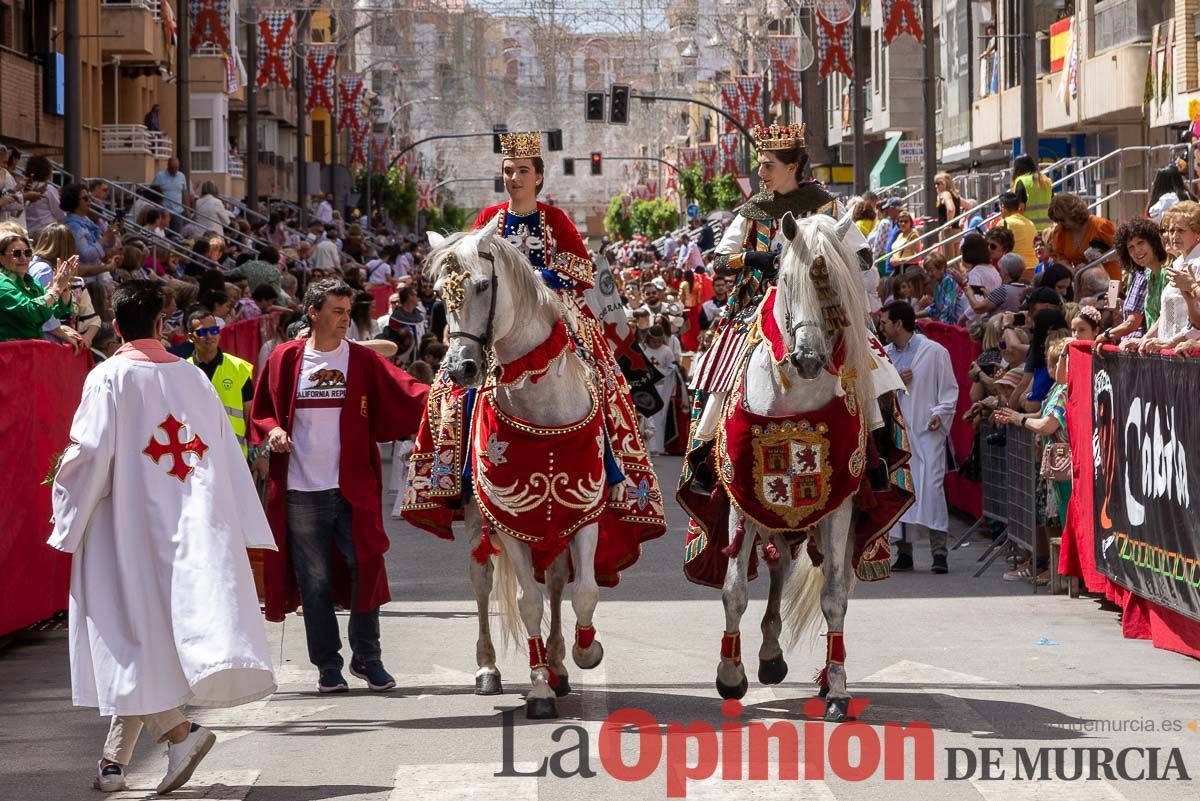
{"points": [[997, 438]]}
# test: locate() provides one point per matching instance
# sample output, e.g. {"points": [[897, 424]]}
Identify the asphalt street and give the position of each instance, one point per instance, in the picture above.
{"points": [[983, 663]]}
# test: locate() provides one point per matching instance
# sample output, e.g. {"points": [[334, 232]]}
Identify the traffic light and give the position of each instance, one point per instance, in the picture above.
{"points": [[555, 139], [597, 163], [498, 184], [568, 166], [593, 110], [496, 131], [618, 112]]}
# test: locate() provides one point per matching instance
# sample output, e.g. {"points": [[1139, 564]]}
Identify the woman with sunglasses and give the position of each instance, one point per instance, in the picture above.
{"points": [[906, 246], [24, 305]]}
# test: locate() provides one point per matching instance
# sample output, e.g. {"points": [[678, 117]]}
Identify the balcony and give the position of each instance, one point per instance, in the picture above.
{"points": [[133, 152], [133, 30]]}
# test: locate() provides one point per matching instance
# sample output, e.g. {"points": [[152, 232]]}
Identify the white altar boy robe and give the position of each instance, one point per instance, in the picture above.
{"points": [[163, 611]]}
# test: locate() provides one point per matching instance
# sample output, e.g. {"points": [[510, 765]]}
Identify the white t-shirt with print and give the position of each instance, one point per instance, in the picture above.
{"points": [[316, 439]]}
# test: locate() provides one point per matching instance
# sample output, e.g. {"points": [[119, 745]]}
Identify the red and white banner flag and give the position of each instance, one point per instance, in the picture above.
{"points": [[900, 17], [833, 47], [275, 27], [321, 65], [350, 93]]}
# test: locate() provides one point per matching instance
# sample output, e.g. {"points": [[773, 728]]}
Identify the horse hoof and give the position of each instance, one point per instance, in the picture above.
{"points": [[540, 709], [563, 687], [772, 671], [735, 692], [580, 659], [824, 691], [837, 709], [488, 684]]}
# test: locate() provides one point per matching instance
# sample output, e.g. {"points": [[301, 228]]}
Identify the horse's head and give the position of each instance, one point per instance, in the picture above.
{"points": [[489, 290], [821, 302]]}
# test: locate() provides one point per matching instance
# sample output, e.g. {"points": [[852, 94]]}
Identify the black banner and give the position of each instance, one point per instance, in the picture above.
{"points": [[1147, 476]]}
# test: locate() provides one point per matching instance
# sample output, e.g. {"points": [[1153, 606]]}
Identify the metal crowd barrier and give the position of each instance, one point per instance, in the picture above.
{"points": [[1009, 479]]}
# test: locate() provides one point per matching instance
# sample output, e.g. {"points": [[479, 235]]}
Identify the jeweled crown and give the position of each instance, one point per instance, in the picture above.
{"points": [[778, 137], [521, 145]]}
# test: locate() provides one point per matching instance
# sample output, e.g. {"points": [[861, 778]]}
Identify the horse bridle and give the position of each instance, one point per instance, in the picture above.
{"points": [[484, 341]]}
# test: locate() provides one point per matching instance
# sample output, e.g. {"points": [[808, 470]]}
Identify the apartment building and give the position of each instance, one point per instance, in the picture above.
{"points": [[32, 85]]}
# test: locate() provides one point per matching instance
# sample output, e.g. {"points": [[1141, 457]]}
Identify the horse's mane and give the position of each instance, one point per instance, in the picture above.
{"points": [[820, 236], [511, 263]]}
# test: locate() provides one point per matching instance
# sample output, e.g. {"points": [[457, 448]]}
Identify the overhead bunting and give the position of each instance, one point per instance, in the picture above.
{"points": [[688, 156], [378, 152], [785, 81], [426, 194], [731, 103], [708, 157], [750, 89], [833, 47], [358, 142], [727, 144], [900, 17], [672, 182], [318, 76], [350, 91], [275, 27], [209, 24]]}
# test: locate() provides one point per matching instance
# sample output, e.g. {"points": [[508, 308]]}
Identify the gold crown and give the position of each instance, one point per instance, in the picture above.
{"points": [[778, 137], [521, 145]]}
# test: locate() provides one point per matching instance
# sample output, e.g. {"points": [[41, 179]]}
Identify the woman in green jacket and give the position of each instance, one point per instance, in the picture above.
{"points": [[24, 305]]}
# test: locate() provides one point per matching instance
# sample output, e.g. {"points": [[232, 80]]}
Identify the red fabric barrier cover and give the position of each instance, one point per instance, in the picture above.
{"points": [[1140, 618], [43, 383], [245, 337], [381, 294], [961, 493]]}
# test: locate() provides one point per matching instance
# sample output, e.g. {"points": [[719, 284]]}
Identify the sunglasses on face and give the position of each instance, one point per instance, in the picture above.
{"points": [[21, 254], [207, 332], [993, 246]]}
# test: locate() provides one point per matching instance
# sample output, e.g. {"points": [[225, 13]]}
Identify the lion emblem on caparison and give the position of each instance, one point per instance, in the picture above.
{"points": [[327, 378]]}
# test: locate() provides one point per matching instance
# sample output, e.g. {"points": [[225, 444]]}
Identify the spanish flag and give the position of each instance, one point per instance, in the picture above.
{"points": [[1060, 36]]}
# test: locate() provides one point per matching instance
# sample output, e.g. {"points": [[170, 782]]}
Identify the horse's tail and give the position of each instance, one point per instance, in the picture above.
{"points": [[802, 600], [504, 598]]}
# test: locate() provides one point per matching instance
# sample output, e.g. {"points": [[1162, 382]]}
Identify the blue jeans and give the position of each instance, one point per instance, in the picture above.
{"points": [[317, 522]]}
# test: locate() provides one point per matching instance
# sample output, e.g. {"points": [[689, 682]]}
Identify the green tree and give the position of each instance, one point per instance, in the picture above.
{"points": [[721, 193], [653, 217], [447, 220], [617, 222], [395, 194]]}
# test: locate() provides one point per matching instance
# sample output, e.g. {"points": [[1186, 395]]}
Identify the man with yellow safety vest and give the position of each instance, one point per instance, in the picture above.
{"points": [[233, 378], [1034, 189]]}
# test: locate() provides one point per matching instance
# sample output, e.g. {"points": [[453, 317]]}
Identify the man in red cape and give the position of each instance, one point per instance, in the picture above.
{"points": [[328, 401]]}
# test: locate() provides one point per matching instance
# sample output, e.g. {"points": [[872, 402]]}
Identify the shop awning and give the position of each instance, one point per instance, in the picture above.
{"points": [[888, 169]]}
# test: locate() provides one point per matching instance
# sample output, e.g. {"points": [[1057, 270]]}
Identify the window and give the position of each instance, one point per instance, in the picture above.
{"points": [[15, 23], [202, 156]]}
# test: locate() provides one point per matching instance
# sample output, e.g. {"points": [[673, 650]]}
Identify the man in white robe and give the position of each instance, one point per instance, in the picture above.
{"points": [[155, 501], [928, 408]]}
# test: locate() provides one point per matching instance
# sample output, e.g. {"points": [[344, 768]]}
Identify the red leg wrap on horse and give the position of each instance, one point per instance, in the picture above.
{"points": [[485, 549], [731, 647], [584, 636], [537, 653], [735, 545], [835, 653], [822, 679]]}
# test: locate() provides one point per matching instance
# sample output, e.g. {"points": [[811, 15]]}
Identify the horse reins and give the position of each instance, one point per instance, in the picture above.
{"points": [[484, 341]]}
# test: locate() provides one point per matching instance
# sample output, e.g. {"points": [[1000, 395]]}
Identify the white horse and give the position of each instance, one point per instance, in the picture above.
{"points": [[802, 383], [499, 310]]}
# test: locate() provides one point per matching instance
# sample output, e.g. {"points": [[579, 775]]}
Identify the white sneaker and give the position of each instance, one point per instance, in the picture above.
{"points": [[182, 758], [110, 778]]}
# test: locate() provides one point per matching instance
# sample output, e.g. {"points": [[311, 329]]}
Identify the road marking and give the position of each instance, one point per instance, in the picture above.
{"points": [[1051, 788], [716, 789], [908, 672], [238, 721], [227, 785], [460, 781]]}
